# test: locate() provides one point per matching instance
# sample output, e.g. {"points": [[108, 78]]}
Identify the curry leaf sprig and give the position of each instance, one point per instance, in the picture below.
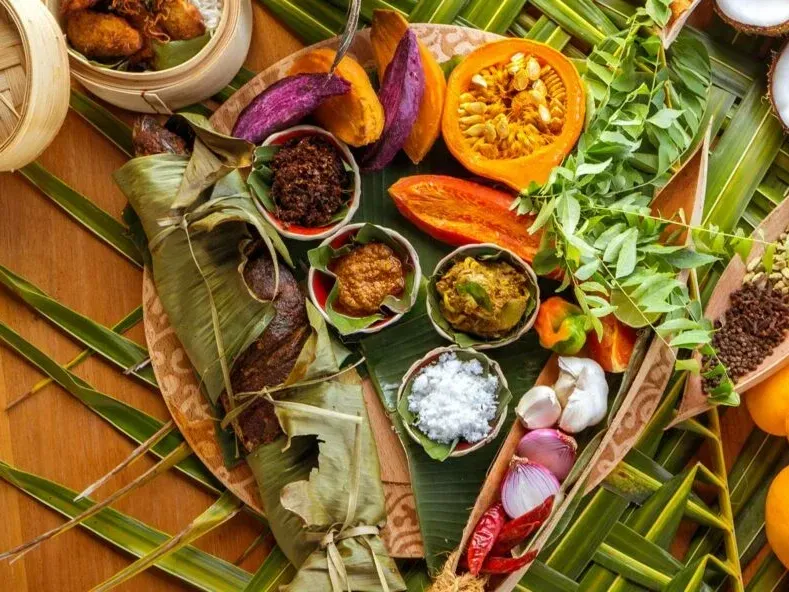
{"points": [[645, 111]]}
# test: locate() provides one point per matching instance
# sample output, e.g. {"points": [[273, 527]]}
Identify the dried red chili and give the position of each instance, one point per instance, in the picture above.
{"points": [[516, 531], [506, 565], [483, 537]]}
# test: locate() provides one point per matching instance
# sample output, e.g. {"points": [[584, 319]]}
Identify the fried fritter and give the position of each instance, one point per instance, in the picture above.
{"points": [[181, 19], [75, 5], [99, 35]]}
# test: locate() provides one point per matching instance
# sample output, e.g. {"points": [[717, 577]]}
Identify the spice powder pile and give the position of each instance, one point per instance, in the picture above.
{"points": [[755, 323], [308, 181]]}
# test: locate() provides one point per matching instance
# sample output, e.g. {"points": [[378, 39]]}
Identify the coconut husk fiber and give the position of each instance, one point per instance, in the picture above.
{"points": [[449, 581]]}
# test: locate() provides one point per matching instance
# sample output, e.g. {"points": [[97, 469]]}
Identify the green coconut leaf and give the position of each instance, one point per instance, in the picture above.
{"points": [[103, 121], [495, 17], [275, 571], [311, 20], [84, 211], [121, 351], [135, 424], [189, 564], [321, 258], [741, 159], [222, 510], [126, 323], [436, 11]]}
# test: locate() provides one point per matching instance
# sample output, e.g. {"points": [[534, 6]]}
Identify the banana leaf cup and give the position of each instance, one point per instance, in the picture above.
{"points": [[260, 183], [323, 285], [437, 450], [482, 252]]}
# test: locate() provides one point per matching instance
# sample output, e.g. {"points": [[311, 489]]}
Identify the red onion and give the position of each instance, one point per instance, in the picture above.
{"points": [[551, 448], [526, 485]]}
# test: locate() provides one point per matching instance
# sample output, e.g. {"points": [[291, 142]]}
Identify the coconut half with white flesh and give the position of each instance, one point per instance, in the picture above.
{"points": [[680, 13], [759, 17], [779, 86]]}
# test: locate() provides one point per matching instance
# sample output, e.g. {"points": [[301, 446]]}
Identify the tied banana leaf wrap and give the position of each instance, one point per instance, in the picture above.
{"points": [[320, 479]]}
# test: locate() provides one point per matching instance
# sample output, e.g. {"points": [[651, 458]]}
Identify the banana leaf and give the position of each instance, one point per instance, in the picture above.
{"points": [[213, 234], [198, 237], [327, 435], [174, 53]]}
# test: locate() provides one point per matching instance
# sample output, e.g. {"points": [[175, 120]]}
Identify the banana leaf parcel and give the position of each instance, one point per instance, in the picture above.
{"points": [[319, 478]]}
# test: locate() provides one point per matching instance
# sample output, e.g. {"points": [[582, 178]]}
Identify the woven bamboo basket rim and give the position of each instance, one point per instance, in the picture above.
{"points": [[44, 88], [231, 13], [15, 22]]}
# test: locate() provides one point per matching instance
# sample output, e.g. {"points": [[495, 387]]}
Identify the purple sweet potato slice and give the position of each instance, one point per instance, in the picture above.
{"points": [[285, 103], [400, 94]]}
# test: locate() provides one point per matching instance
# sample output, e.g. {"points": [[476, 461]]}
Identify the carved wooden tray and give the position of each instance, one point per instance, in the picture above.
{"points": [[176, 377]]}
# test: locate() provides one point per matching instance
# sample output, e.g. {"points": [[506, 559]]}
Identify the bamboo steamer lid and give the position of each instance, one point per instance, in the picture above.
{"points": [[191, 82], [34, 81]]}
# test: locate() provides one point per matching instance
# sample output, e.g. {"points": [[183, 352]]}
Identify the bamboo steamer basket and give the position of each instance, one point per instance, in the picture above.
{"points": [[191, 82], [34, 81]]}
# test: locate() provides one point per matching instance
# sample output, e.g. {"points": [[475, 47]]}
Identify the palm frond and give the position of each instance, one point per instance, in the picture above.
{"points": [[191, 565], [131, 422], [84, 211], [217, 514], [129, 356]]}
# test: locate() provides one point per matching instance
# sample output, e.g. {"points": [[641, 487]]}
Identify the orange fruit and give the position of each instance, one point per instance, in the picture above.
{"points": [[776, 516], [768, 403]]}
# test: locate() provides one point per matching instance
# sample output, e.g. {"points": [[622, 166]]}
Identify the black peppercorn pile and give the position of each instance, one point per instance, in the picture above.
{"points": [[755, 323], [308, 181]]}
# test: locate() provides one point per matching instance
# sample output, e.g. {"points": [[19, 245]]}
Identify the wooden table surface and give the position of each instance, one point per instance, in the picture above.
{"points": [[52, 434], [55, 436]]}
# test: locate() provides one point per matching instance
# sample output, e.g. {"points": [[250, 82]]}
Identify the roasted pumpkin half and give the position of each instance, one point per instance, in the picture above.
{"points": [[514, 110], [356, 117]]}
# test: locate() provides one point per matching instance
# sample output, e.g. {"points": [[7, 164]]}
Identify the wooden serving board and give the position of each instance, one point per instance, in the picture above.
{"points": [[176, 377], [402, 533], [694, 400]]}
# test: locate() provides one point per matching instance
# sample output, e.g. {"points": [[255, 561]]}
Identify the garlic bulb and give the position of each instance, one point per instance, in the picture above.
{"points": [[539, 408], [583, 387]]}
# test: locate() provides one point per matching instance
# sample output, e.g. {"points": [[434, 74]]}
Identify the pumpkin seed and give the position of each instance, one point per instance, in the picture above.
{"points": [[502, 126], [476, 130], [471, 119], [545, 114], [490, 132], [533, 68], [476, 108], [521, 80], [478, 80]]}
